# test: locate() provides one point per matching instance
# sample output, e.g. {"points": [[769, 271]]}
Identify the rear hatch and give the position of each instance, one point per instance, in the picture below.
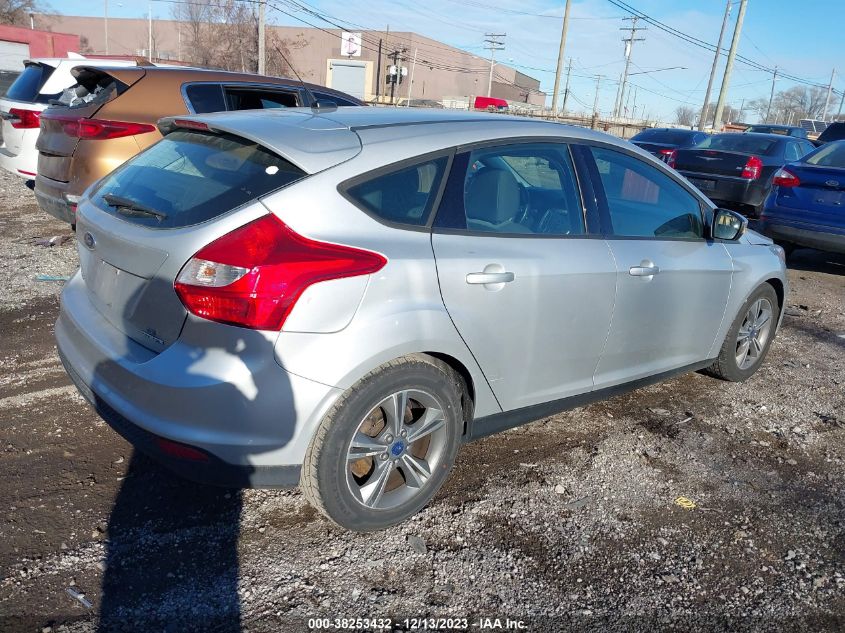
{"points": [[22, 104], [820, 197], [179, 195], [60, 123]]}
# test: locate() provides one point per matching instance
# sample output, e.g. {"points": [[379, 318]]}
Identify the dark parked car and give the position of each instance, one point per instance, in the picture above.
{"points": [[833, 132], [660, 141], [735, 170], [783, 130], [806, 206]]}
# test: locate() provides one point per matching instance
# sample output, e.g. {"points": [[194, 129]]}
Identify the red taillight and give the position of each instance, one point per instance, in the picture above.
{"points": [[785, 178], [24, 119], [253, 276], [669, 156], [180, 451], [97, 129], [753, 168]]}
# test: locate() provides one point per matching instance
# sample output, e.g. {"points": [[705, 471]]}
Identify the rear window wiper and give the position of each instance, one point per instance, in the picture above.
{"points": [[129, 207]]}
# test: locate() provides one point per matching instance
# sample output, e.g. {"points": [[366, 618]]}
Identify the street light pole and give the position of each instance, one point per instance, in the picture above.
{"points": [[261, 28]]}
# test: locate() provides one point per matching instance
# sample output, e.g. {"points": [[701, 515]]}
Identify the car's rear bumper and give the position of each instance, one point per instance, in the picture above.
{"points": [[218, 389], [822, 238], [50, 195], [23, 164], [727, 190]]}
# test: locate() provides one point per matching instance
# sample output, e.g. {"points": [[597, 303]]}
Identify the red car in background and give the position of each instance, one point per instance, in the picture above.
{"points": [[490, 104]]}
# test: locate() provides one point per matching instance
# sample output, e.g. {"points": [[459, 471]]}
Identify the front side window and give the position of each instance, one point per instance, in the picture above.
{"points": [[404, 195], [520, 189], [642, 201]]}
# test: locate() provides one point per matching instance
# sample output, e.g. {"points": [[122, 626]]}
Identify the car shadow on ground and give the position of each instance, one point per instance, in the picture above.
{"points": [[171, 555], [812, 260]]}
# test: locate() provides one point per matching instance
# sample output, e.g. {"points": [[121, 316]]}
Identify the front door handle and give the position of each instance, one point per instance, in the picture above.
{"points": [[643, 271], [490, 278]]}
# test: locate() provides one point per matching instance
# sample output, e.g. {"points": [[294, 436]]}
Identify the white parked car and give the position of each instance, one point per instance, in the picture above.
{"points": [[20, 108]]}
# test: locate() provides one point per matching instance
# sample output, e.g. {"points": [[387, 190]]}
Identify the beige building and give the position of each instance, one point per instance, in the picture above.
{"points": [[440, 70]]}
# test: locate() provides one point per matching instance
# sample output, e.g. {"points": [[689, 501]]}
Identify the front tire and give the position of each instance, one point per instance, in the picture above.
{"points": [[386, 447], [750, 337]]}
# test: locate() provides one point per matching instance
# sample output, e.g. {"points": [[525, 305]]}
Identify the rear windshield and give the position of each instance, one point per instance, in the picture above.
{"points": [[670, 137], [833, 132], [765, 129], [29, 82], [189, 177], [738, 143], [831, 155]]}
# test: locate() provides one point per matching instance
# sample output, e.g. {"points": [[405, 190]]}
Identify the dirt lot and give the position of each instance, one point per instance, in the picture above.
{"points": [[571, 522]]}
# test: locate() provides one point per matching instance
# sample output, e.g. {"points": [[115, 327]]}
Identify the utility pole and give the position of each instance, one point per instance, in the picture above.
{"points": [[596, 99], [726, 79], [493, 43], [702, 120], [560, 57], [150, 49], [378, 72], [827, 99], [106, 22], [395, 77], [771, 94], [411, 78], [261, 28], [566, 90], [629, 46]]}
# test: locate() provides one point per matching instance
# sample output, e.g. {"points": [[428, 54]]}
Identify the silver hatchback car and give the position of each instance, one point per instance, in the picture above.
{"points": [[340, 299]]}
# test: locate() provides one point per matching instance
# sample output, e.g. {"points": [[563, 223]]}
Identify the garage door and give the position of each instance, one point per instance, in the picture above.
{"points": [[349, 77], [12, 55]]}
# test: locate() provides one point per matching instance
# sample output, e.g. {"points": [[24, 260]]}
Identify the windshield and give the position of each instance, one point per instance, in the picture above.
{"points": [[29, 82], [189, 177], [738, 143], [830, 155]]}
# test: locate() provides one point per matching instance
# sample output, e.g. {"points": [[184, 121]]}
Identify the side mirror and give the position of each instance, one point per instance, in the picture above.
{"points": [[728, 225]]}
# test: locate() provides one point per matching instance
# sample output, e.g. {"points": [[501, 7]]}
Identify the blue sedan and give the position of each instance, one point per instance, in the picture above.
{"points": [[806, 206]]}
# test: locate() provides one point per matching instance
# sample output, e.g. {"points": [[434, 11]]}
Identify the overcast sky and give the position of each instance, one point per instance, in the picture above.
{"points": [[806, 42]]}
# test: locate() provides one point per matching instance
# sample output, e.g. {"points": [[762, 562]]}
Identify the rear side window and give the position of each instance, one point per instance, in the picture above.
{"points": [[340, 101], [189, 177], [257, 99], [29, 82], [206, 98], [401, 196]]}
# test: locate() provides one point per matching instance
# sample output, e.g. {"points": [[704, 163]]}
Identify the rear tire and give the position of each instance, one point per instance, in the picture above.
{"points": [[396, 463], [749, 338]]}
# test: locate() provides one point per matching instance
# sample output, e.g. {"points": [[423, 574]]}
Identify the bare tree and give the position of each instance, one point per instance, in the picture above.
{"points": [[219, 34], [684, 115], [798, 102], [17, 11]]}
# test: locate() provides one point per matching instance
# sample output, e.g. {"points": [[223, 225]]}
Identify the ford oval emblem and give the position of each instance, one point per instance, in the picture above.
{"points": [[89, 241], [832, 183]]}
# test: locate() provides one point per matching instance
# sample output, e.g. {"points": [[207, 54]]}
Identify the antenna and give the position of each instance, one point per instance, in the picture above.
{"points": [[316, 104]]}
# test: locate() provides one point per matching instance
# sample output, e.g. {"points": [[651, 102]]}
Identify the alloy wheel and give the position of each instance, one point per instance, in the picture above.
{"points": [[395, 449], [753, 334]]}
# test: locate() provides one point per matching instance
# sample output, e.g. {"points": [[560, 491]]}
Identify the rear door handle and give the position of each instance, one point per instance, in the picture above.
{"points": [[643, 271], [490, 278]]}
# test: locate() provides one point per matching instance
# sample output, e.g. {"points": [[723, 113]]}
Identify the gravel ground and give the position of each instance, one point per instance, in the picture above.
{"points": [[572, 522]]}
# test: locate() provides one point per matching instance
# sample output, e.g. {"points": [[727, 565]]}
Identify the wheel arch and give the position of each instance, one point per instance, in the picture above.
{"points": [[468, 398]]}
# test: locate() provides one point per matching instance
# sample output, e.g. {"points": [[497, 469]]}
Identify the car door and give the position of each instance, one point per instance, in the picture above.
{"points": [[672, 283], [529, 289]]}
